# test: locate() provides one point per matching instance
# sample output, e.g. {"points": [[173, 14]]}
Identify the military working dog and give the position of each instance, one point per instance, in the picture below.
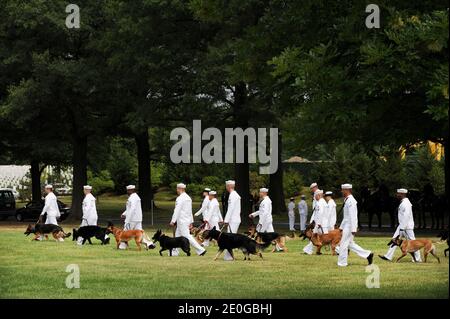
{"points": [[40, 229], [411, 246], [87, 232], [332, 238], [278, 240], [229, 241], [126, 235], [169, 243]]}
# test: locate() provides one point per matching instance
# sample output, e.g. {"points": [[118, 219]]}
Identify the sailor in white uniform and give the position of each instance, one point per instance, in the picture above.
{"points": [[133, 215], [215, 216], [232, 218], [349, 227], [291, 214], [183, 219], [133, 211], [406, 225], [265, 213], [303, 212], [90, 216], [309, 248], [331, 210], [204, 211], [50, 208], [321, 217]]}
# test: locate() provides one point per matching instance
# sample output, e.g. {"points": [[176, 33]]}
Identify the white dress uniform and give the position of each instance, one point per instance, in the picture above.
{"points": [[233, 217], [331, 207], [303, 211], [89, 214], [51, 208], [350, 224], [405, 227], [133, 213], [291, 215], [214, 213], [321, 217], [309, 248], [204, 210], [265, 216], [89, 211], [182, 216]]}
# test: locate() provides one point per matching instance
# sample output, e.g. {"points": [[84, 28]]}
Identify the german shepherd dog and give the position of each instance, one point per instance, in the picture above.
{"points": [[229, 241], [333, 238], [169, 243], [443, 235], [411, 246], [126, 235], [40, 229], [87, 232], [278, 240]]}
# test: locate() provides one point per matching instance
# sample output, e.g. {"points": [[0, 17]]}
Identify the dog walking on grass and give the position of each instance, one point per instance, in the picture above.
{"points": [[229, 241], [124, 236], [412, 246]]}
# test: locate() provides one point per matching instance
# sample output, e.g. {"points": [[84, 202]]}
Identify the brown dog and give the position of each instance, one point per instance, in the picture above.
{"points": [[333, 238], [278, 240], [40, 229], [411, 246], [126, 235]]}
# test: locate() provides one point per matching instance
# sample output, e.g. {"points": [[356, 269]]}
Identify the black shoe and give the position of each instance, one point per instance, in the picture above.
{"points": [[370, 258], [203, 253], [383, 257]]}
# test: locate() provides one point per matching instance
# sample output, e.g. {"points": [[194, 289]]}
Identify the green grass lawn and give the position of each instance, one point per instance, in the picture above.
{"points": [[37, 270]]}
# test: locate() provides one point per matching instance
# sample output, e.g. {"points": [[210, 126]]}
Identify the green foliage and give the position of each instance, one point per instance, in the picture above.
{"points": [[292, 183], [101, 182], [257, 181], [122, 165], [422, 168]]}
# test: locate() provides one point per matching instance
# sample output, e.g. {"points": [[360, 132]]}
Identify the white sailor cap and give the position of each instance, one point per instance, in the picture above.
{"points": [[318, 192], [49, 186], [131, 187], [181, 185], [329, 193], [212, 193], [346, 186], [402, 191], [230, 182], [207, 189], [88, 187], [313, 185], [263, 190], [303, 196]]}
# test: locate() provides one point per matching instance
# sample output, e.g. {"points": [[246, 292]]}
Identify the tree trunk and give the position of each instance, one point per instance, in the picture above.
{"points": [[79, 160], [241, 170], [276, 190], [144, 170], [35, 172]]}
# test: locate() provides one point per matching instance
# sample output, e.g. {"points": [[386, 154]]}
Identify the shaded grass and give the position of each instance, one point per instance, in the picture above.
{"points": [[37, 270]]}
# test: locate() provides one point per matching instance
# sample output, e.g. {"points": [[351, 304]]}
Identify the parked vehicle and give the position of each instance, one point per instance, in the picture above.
{"points": [[32, 210], [7, 203]]}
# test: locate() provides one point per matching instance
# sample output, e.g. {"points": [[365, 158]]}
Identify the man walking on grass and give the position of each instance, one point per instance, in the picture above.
{"points": [[349, 227]]}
